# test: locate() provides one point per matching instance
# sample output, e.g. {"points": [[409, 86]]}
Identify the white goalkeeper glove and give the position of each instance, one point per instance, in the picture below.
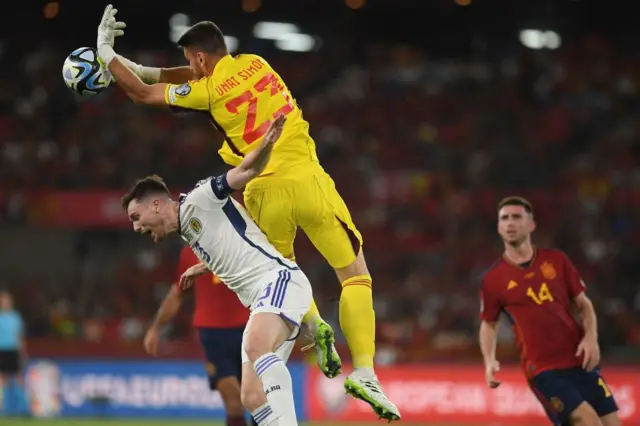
{"points": [[108, 30], [149, 75]]}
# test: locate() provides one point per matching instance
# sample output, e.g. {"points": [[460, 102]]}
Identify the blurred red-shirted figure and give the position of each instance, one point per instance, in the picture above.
{"points": [[220, 319]]}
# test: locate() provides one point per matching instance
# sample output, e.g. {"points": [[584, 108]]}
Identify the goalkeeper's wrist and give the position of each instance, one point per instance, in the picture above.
{"points": [[149, 74], [106, 54], [146, 74]]}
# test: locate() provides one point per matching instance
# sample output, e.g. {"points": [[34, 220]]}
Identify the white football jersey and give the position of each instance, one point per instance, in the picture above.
{"points": [[224, 237]]}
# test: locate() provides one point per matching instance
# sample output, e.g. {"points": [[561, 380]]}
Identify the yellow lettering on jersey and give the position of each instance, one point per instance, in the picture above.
{"points": [[543, 295], [530, 275], [215, 280], [512, 284]]}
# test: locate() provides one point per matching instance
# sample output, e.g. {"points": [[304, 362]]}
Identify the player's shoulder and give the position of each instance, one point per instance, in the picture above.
{"points": [[249, 58], [551, 254], [493, 272]]}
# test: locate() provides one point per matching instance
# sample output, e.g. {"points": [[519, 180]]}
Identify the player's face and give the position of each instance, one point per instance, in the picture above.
{"points": [[197, 62], [6, 301], [515, 224], [147, 218]]}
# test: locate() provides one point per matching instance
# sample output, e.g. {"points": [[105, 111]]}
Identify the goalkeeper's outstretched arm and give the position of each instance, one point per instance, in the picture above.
{"points": [[134, 87], [152, 75]]}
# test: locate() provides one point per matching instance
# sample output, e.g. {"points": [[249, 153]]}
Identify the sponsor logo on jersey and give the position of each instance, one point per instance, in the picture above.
{"points": [[201, 253]]}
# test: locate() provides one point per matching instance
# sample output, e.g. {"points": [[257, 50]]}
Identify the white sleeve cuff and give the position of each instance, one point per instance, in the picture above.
{"points": [[106, 54]]}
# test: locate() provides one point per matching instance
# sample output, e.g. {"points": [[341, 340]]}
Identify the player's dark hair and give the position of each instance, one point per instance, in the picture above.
{"points": [[516, 201], [206, 36], [153, 184]]}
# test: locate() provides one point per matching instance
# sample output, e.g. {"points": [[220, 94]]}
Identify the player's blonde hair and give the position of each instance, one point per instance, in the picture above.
{"points": [[152, 184]]}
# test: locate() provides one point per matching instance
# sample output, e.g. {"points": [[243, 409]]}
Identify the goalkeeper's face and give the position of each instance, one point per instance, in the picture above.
{"points": [[515, 225], [149, 217], [198, 62]]}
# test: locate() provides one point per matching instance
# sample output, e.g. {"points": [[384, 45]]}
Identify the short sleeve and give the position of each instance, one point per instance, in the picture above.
{"points": [[490, 304], [193, 95], [575, 284]]}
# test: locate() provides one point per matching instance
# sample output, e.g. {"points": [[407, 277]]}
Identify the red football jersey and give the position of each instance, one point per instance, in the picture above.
{"points": [[216, 305], [538, 301]]}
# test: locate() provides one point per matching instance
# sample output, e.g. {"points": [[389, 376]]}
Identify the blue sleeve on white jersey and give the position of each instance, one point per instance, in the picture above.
{"points": [[220, 187]]}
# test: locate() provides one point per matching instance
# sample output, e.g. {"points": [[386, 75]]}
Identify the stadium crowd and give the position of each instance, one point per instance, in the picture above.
{"points": [[421, 148]]}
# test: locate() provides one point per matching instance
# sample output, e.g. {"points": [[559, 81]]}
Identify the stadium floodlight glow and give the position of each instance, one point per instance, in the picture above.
{"points": [[274, 30], [553, 40], [296, 42], [232, 43], [178, 25], [178, 19], [538, 39]]}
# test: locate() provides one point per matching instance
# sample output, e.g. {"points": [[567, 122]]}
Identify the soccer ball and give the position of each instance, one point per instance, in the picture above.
{"points": [[84, 74]]}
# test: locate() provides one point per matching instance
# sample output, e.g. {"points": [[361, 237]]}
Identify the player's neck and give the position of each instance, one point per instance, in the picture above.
{"points": [[173, 222], [519, 254], [214, 61]]}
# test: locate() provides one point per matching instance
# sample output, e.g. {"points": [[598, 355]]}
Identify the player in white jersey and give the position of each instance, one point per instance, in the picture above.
{"points": [[225, 239]]}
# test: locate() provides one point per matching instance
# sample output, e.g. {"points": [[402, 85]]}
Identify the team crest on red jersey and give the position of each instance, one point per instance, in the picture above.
{"points": [[556, 404], [548, 271]]}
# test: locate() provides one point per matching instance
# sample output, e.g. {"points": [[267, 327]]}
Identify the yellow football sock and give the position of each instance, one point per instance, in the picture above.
{"points": [[313, 312], [358, 320]]}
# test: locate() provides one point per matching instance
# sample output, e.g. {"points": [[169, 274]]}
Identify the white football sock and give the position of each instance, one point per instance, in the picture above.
{"points": [[278, 387], [264, 416]]}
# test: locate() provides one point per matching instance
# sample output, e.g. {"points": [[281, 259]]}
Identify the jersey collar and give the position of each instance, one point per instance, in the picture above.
{"points": [[181, 199], [226, 58]]}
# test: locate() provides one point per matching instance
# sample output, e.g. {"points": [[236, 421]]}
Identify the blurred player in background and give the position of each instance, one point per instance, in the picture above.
{"points": [[538, 289], [220, 319], [242, 95], [13, 353]]}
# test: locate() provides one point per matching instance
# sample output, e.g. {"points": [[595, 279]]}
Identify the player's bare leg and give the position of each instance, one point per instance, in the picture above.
{"points": [[611, 419], [357, 320], [585, 415], [229, 388], [254, 399], [266, 332]]}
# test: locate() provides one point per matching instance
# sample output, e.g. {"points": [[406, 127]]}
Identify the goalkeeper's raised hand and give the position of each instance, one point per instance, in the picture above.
{"points": [[109, 28]]}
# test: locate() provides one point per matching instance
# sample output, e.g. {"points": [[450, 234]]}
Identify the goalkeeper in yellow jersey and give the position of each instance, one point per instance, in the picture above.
{"points": [[241, 95]]}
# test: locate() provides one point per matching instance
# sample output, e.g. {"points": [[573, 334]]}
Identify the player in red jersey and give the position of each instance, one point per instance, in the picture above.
{"points": [[538, 289], [220, 319]]}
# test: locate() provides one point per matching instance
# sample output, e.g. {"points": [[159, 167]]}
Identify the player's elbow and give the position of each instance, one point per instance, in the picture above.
{"points": [[146, 95], [583, 303], [141, 96]]}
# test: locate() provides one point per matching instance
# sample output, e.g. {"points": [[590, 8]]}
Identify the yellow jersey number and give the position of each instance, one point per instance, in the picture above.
{"points": [[269, 85], [543, 295]]}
